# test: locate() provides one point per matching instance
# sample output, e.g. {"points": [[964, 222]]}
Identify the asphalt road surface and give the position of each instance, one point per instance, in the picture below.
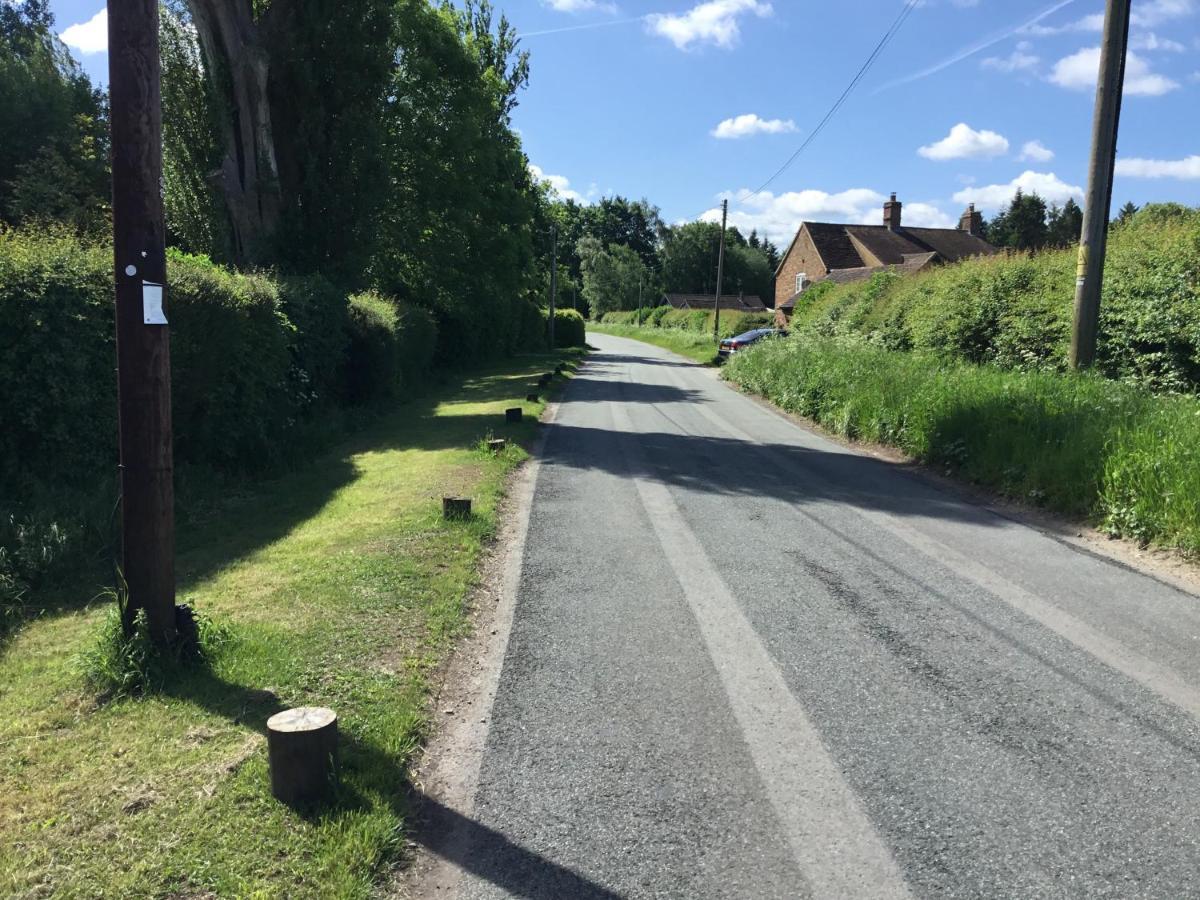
{"points": [[748, 662]]}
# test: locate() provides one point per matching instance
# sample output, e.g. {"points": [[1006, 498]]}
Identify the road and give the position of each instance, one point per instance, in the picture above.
{"points": [[748, 662]]}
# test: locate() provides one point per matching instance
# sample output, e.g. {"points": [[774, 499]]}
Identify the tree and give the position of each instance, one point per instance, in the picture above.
{"points": [[612, 276], [1021, 225], [54, 151], [631, 223], [1064, 226], [1126, 213], [196, 219], [689, 261]]}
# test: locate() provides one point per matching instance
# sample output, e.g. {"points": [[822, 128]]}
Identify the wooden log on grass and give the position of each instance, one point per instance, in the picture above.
{"points": [[302, 752], [532, 398], [513, 414], [496, 445], [456, 507]]}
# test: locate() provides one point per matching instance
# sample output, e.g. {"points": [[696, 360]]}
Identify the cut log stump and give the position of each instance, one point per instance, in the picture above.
{"points": [[513, 414], [456, 507], [497, 444], [302, 751], [532, 398]]}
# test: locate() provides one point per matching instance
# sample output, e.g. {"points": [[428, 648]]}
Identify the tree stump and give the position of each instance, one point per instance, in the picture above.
{"points": [[456, 507], [558, 370], [302, 751], [545, 379], [513, 414], [497, 444], [532, 398]]}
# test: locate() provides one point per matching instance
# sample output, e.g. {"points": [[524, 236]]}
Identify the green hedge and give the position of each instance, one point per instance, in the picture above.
{"points": [[1080, 444], [569, 328], [1015, 310], [696, 320], [391, 345]]}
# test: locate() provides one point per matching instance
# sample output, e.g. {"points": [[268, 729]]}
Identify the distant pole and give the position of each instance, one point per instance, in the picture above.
{"points": [[639, 301], [1089, 276], [720, 273], [553, 277], [143, 339]]}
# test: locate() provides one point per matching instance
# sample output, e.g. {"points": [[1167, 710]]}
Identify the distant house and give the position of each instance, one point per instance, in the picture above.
{"points": [[822, 251], [749, 303]]}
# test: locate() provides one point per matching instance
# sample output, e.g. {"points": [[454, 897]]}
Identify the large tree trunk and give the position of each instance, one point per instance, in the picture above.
{"points": [[239, 67]]}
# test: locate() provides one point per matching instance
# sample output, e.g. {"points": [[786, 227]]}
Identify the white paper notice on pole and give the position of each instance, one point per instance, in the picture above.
{"points": [[152, 300]]}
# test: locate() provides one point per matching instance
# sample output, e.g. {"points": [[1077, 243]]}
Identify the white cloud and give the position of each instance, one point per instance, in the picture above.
{"points": [[1020, 60], [559, 184], [90, 36], [1150, 41], [1080, 70], [576, 6], [779, 215], [964, 142], [1046, 185], [713, 22], [750, 124], [1187, 168], [1035, 151], [1148, 13]]}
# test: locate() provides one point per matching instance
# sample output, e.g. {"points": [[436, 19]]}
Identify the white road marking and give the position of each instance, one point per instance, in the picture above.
{"points": [[835, 845]]}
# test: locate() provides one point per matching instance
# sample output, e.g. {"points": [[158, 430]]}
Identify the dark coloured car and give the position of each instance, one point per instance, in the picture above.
{"points": [[732, 345]]}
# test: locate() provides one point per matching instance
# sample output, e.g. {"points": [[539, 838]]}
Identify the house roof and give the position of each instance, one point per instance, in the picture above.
{"points": [[841, 246], [742, 303]]}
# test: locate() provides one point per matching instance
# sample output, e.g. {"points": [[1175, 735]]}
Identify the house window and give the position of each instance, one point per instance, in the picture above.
{"points": [[801, 281]]}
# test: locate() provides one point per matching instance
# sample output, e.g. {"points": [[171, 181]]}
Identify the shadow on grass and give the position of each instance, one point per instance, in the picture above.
{"points": [[220, 523], [369, 776]]}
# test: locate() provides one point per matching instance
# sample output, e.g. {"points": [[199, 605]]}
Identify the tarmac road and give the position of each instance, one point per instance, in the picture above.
{"points": [[748, 662]]}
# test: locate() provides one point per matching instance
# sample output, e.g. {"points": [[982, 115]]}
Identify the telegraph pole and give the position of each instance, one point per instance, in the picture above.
{"points": [[553, 278], [720, 274], [639, 301], [1089, 275], [143, 339]]}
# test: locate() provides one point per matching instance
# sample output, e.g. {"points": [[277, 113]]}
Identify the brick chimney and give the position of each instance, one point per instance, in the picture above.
{"points": [[891, 213], [971, 221]]}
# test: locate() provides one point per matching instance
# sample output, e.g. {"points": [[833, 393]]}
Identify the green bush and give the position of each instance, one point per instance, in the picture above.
{"points": [[319, 315], [232, 399], [1080, 444], [57, 355], [392, 344], [569, 328], [1015, 310], [531, 327]]}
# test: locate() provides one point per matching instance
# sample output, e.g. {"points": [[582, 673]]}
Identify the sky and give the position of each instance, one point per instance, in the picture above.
{"points": [[688, 102]]}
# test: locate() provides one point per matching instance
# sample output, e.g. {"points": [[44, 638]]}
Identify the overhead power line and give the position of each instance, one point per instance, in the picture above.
{"points": [[892, 31]]}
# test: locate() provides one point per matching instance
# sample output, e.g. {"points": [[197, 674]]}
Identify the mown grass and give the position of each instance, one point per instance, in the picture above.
{"points": [[695, 346], [338, 584], [1107, 451]]}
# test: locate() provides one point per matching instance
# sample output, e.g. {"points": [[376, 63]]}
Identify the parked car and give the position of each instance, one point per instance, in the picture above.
{"points": [[732, 345]]}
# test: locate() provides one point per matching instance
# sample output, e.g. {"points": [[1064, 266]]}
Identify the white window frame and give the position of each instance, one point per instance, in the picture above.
{"points": [[801, 281]]}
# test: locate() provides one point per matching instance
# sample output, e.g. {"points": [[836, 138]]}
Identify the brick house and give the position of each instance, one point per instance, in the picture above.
{"points": [[822, 251]]}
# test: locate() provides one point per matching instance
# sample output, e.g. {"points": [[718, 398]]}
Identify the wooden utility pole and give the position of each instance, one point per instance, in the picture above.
{"points": [[143, 340], [553, 278], [639, 301], [1089, 276], [720, 273]]}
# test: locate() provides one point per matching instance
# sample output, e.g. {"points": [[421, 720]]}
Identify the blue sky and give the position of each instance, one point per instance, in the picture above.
{"points": [[686, 101]]}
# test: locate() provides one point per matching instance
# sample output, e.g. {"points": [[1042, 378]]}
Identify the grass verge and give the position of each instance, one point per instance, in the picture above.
{"points": [[694, 345], [1115, 454], [339, 585]]}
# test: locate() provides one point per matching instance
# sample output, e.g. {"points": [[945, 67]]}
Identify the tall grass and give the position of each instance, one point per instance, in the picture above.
{"points": [[1108, 451]]}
